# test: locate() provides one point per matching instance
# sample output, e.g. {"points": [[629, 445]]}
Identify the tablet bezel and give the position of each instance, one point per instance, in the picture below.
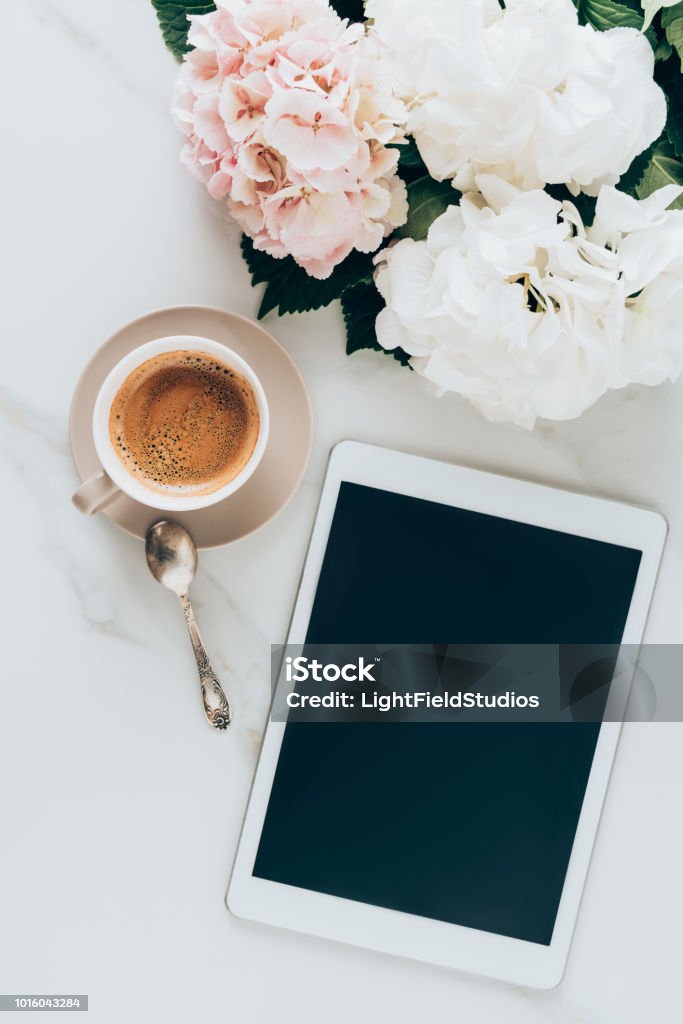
{"points": [[408, 935]]}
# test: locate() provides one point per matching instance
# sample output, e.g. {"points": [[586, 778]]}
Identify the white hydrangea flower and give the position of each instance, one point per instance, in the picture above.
{"points": [[513, 304], [524, 92], [648, 240]]}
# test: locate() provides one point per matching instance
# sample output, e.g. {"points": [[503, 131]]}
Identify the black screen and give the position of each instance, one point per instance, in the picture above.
{"points": [[467, 823]]}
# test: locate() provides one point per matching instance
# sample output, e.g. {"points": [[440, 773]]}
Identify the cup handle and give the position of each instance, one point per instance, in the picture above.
{"points": [[95, 494]]}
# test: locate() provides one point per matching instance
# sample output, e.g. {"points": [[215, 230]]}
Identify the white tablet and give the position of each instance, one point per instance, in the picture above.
{"points": [[465, 845]]}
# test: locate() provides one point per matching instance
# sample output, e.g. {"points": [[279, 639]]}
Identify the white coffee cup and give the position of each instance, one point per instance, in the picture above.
{"points": [[113, 479]]}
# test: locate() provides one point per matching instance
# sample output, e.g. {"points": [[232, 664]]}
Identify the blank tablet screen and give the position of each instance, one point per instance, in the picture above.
{"points": [[471, 824]]}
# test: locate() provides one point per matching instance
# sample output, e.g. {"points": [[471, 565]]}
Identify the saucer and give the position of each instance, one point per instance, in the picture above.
{"points": [[291, 424]]}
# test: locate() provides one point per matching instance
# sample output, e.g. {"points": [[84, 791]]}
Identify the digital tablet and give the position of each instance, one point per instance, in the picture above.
{"points": [[464, 845]]}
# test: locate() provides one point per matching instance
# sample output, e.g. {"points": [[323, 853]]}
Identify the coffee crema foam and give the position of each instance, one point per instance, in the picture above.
{"points": [[184, 423]]}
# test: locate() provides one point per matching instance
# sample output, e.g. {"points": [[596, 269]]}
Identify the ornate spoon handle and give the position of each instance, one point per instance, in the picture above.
{"points": [[216, 705]]}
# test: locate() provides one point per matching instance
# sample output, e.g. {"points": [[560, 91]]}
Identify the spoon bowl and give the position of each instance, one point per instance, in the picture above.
{"points": [[171, 556]]}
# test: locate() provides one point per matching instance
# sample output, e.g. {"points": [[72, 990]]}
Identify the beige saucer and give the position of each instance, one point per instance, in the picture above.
{"points": [[291, 423]]}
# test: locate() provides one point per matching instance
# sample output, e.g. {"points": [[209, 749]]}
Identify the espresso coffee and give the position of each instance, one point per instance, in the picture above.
{"points": [[184, 423]]}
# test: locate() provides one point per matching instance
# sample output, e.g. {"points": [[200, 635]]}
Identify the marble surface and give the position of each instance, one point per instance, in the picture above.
{"points": [[120, 809]]}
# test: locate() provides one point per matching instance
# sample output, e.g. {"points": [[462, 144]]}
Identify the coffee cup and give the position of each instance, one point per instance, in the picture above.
{"points": [[179, 423]]}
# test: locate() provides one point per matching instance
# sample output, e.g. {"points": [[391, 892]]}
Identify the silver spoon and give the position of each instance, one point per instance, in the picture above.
{"points": [[172, 560]]}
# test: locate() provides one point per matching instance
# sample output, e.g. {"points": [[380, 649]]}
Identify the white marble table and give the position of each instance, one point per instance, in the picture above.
{"points": [[119, 808]]}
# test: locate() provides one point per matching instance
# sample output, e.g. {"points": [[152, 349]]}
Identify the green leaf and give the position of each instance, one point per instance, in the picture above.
{"points": [[172, 15], [631, 179], [410, 164], [664, 169], [606, 14], [427, 200], [674, 124], [408, 153], [361, 305], [670, 79], [351, 9], [664, 50], [672, 23], [291, 290]]}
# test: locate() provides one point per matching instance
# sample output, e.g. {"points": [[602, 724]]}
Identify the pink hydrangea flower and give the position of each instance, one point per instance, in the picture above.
{"points": [[287, 113]]}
